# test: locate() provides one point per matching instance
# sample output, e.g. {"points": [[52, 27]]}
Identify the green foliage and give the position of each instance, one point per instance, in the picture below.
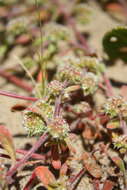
{"points": [[115, 43]]}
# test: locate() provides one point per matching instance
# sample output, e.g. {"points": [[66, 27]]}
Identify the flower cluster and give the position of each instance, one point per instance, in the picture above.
{"points": [[35, 118], [55, 87], [69, 73], [89, 83], [116, 106], [40, 118], [58, 128], [33, 123], [82, 70], [120, 142]]}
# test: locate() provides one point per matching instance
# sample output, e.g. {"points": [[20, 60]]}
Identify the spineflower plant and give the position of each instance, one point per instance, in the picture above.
{"points": [[78, 144]]}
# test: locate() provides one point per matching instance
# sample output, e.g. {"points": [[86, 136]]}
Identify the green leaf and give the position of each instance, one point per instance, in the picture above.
{"points": [[115, 43]]}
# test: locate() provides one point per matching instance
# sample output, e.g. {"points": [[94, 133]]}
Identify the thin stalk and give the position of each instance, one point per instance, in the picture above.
{"points": [[28, 155], [35, 156], [123, 124], [30, 183], [124, 6], [109, 90], [29, 74], [57, 106], [75, 179], [41, 61], [11, 95], [70, 21]]}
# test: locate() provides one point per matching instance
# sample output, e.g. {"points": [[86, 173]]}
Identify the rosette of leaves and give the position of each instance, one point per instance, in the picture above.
{"points": [[89, 83], [115, 43], [116, 106]]}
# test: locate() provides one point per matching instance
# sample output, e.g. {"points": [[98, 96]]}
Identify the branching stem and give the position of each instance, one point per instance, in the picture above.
{"points": [[19, 164]]}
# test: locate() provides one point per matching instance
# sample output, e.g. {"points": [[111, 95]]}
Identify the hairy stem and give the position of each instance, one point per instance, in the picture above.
{"points": [[75, 179], [19, 164], [109, 90], [9, 94], [34, 155]]}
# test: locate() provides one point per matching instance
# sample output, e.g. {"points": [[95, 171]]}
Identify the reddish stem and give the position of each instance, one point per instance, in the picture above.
{"points": [[30, 183], [57, 106], [76, 179], [35, 156], [72, 23], [109, 90], [19, 164], [123, 124], [9, 94], [15, 80], [79, 36], [124, 6]]}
